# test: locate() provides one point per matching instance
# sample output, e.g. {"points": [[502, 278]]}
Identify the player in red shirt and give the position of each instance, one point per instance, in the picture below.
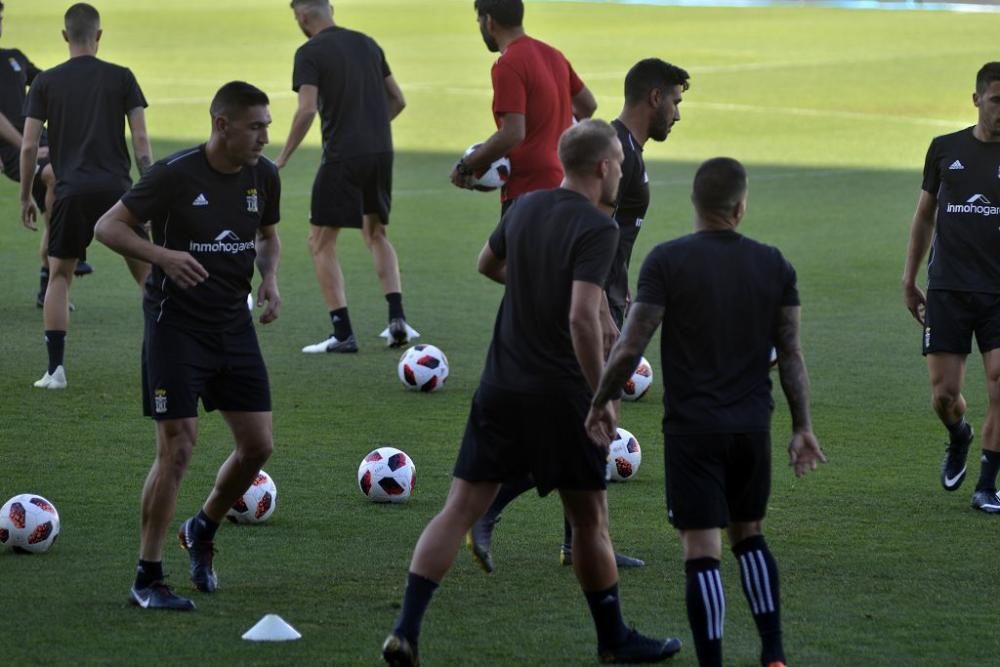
{"points": [[536, 95]]}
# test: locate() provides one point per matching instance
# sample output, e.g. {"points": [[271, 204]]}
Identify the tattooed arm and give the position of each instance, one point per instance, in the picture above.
{"points": [[804, 451], [140, 140], [643, 320]]}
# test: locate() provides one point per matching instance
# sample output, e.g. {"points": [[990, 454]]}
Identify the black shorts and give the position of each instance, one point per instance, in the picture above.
{"points": [[224, 369], [11, 158], [951, 318], [716, 478], [73, 219], [509, 435], [346, 190], [616, 286]]}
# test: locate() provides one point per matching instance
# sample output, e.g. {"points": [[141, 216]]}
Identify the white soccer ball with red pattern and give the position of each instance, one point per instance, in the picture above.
{"points": [[423, 368], [257, 503], [493, 177], [640, 382], [29, 523], [387, 475], [624, 457]]}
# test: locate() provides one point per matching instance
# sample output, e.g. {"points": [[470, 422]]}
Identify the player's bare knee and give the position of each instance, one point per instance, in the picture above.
{"points": [[744, 530]]}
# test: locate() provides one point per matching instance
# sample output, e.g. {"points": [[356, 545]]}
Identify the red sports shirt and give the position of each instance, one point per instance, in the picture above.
{"points": [[533, 79]]}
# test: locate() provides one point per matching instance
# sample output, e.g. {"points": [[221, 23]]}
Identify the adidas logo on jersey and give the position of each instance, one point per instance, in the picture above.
{"points": [[200, 201], [957, 164]]}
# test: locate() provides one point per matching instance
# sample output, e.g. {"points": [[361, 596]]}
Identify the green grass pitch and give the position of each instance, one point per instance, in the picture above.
{"points": [[831, 110]]}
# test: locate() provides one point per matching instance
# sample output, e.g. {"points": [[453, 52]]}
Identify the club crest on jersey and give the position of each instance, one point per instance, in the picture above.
{"points": [[252, 200], [14, 65]]}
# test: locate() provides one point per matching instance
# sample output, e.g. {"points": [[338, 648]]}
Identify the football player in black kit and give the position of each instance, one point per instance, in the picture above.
{"points": [[17, 73], [957, 218], [343, 74], [213, 210], [551, 251], [84, 102], [653, 91], [722, 299]]}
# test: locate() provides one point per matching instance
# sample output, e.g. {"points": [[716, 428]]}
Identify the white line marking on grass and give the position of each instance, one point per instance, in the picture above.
{"points": [[827, 113]]}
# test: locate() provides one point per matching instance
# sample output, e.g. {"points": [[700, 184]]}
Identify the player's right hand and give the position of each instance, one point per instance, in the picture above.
{"points": [[29, 214], [915, 302], [182, 268], [804, 453], [602, 425]]}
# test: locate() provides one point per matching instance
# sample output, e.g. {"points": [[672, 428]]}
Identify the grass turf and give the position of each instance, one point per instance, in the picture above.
{"points": [[831, 110]]}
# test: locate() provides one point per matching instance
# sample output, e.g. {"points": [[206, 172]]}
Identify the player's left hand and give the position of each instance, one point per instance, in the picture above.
{"points": [[29, 214], [601, 425], [804, 453], [280, 162], [269, 299]]}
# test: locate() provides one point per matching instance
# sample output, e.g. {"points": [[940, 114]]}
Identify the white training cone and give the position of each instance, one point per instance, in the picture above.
{"points": [[410, 331], [271, 628]]}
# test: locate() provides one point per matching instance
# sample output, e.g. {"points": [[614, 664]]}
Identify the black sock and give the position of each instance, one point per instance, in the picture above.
{"points": [[43, 281], [567, 533], [960, 431], [606, 609], [55, 343], [759, 573], [203, 527], [989, 465], [395, 300], [416, 599], [341, 323], [508, 491], [147, 572], [706, 609]]}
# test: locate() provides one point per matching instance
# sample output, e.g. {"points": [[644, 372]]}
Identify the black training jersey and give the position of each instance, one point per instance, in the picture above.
{"points": [[964, 174], [722, 294], [630, 209], [16, 74], [549, 238], [349, 69], [215, 217], [84, 103], [633, 189]]}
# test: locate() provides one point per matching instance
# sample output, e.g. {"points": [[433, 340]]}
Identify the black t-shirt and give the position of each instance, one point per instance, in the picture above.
{"points": [[349, 69], [633, 189], [84, 102], [16, 74], [630, 209], [722, 294], [215, 217], [964, 174], [549, 239]]}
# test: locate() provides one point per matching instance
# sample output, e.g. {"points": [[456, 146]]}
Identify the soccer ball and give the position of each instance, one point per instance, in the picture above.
{"points": [[423, 367], [257, 503], [624, 457], [493, 177], [637, 385], [387, 475], [29, 523]]}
